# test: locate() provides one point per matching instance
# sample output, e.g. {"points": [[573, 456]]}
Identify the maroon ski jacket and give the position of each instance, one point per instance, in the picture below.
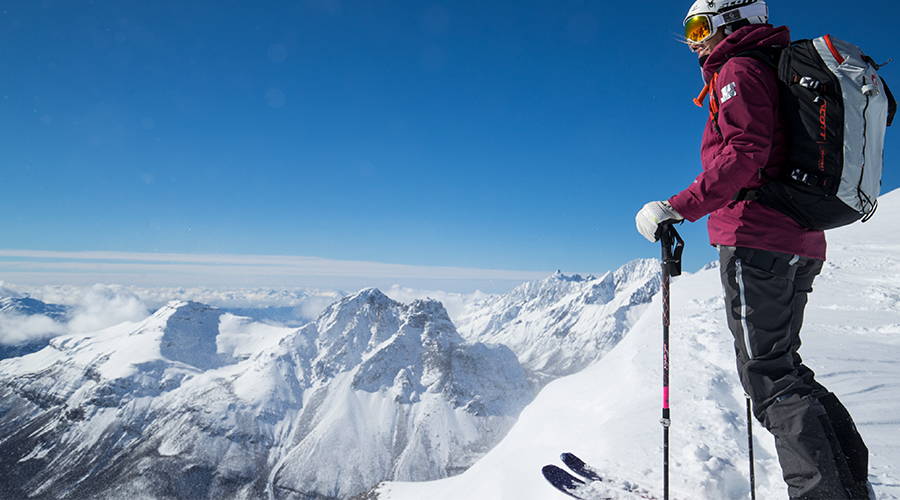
{"points": [[748, 138]]}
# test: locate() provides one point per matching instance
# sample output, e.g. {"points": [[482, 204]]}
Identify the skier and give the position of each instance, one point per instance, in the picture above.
{"points": [[768, 261]]}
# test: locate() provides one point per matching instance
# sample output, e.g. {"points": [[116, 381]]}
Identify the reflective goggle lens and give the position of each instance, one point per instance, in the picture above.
{"points": [[698, 28]]}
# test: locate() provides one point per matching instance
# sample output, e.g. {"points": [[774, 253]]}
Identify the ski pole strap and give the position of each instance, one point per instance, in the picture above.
{"points": [[672, 248]]}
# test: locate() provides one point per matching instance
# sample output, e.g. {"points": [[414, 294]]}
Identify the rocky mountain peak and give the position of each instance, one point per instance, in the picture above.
{"points": [[571, 278], [561, 323]]}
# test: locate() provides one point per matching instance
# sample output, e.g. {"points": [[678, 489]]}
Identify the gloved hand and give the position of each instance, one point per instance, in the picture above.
{"points": [[652, 215]]}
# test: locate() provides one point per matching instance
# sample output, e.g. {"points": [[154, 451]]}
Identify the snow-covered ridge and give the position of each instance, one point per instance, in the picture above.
{"points": [[29, 306], [561, 324]]}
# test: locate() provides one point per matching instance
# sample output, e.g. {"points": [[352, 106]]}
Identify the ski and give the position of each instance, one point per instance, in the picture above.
{"points": [[579, 467], [563, 481], [591, 485]]}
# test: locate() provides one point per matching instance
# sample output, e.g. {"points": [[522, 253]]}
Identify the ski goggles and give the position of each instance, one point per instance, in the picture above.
{"points": [[701, 27], [698, 28]]}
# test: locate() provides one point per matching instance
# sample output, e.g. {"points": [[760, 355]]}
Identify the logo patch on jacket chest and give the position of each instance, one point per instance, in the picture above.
{"points": [[728, 92]]}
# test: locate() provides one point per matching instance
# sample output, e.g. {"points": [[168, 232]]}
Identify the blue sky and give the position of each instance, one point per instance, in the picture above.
{"points": [[500, 135]]}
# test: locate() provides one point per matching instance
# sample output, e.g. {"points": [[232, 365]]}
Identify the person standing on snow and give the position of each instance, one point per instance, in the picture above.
{"points": [[768, 261]]}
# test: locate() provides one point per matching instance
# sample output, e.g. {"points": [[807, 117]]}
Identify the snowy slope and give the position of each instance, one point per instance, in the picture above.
{"points": [[608, 413], [28, 306], [559, 325], [191, 404], [408, 399]]}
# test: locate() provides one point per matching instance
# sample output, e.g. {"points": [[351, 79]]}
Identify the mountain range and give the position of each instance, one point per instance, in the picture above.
{"points": [[183, 405], [559, 325]]}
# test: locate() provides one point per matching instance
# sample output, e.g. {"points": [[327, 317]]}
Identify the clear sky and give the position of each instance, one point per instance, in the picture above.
{"points": [[492, 134]]}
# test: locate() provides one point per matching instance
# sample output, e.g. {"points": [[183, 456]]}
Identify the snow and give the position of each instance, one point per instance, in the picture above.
{"points": [[561, 324], [240, 337], [409, 354], [609, 413], [118, 352]]}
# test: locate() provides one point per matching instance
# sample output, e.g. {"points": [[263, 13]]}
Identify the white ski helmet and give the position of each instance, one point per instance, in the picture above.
{"points": [[705, 17]]}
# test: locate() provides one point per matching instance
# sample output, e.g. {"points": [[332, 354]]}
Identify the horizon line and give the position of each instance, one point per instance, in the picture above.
{"points": [[166, 268]]}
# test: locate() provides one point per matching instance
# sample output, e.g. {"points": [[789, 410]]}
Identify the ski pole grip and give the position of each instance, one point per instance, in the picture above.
{"points": [[672, 248]]}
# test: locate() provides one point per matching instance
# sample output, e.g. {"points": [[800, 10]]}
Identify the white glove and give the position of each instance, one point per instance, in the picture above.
{"points": [[652, 215]]}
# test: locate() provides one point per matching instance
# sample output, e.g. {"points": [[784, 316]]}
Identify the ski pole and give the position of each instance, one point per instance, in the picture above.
{"points": [[672, 247], [750, 448]]}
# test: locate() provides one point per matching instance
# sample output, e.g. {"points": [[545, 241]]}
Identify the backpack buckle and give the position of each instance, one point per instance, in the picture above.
{"points": [[810, 83], [802, 177]]}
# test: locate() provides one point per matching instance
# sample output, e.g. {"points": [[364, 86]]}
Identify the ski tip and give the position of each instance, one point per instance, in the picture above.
{"points": [[549, 470], [560, 478], [579, 467], [571, 460]]}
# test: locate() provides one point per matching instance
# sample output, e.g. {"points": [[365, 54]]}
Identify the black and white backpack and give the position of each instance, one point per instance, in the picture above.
{"points": [[836, 110]]}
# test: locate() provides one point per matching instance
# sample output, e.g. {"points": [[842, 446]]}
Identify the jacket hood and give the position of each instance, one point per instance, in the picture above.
{"points": [[744, 39]]}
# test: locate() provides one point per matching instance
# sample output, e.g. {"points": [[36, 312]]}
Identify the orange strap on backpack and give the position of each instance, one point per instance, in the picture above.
{"points": [[713, 103]]}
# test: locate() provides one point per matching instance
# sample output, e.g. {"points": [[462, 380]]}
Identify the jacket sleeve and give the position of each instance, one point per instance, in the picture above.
{"points": [[747, 122]]}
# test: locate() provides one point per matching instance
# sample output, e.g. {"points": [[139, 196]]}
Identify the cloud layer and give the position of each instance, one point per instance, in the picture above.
{"points": [[208, 270], [95, 307], [92, 308], [102, 306], [18, 329], [455, 303]]}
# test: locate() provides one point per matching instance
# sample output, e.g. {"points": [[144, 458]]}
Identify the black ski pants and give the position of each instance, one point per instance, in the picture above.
{"points": [[821, 453]]}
